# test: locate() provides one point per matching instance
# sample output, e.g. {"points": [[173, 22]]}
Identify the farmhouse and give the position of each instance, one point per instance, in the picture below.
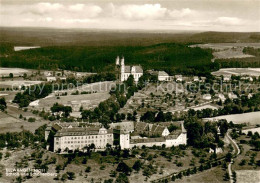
{"points": [[51, 78], [195, 78], [163, 76], [127, 70], [232, 96], [221, 97], [226, 78], [178, 78], [206, 96]]}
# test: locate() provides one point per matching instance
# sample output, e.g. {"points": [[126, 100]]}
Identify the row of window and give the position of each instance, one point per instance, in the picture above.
{"points": [[87, 141], [87, 137]]}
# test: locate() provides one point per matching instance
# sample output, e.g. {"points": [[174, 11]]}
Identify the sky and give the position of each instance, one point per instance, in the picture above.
{"points": [[199, 15]]}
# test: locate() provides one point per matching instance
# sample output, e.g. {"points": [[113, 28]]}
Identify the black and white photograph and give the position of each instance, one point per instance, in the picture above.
{"points": [[130, 91]]}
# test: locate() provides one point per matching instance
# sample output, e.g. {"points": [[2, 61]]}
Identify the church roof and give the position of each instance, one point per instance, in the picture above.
{"points": [[138, 69]]}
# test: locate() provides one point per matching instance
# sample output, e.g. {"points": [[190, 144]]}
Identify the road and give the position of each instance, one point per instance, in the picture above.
{"points": [[236, 152]]}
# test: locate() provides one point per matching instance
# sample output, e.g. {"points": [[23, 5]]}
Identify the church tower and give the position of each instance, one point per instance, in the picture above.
{"points": [[117, 61], [122, 68]]}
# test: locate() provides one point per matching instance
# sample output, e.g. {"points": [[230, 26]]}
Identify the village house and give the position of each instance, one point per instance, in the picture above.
{"points": [[206, 96], [221, 97], [232, 96], [247, 78], [178, 78], [195, 78], [163, 76], [51, 78], [226, 78]]}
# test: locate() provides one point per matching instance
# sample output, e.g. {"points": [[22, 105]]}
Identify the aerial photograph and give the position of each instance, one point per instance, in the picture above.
{"points": [[129, 91]]}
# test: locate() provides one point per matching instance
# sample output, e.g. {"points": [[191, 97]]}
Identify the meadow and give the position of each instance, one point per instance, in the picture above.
{"points": [[251, 117]]}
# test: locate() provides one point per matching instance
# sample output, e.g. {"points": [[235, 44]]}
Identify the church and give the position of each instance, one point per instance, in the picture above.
{"points": [[127, 70]]}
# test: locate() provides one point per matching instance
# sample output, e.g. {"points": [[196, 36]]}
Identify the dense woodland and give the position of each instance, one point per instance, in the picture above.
{"points": [[166, 56], [95, 51]]}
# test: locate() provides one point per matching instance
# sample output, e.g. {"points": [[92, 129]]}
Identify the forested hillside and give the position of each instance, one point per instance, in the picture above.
{"points": [[95, 51], [166, 56]]}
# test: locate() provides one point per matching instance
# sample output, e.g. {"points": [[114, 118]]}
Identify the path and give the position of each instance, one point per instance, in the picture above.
{"points": [[236, 152]]}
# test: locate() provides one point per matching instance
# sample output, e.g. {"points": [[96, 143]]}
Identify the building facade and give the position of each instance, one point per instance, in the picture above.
{"points": [[130, 140], [127, 70], [163, 76], [72, 137]]}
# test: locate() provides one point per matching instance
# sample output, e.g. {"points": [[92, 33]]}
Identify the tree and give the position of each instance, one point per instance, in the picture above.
{"points": [[31, 120], [71, 175], [122, 167], [122, 178], [173, 178], [194, 131], [149, 116], [226, 176], [11, 75], [19, 179], [108, 181], [137, 165], [228, 157], [58, 168], [88, 169], [2, 104], [160, 117], [64, 177]]}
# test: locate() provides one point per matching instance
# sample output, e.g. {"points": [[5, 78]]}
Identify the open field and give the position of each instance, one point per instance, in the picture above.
{"points": [[92, 99], [208, 106], [99, 92], [8, 95], [17, 84], [15, 71], [231, 53], [216, 176], [238, 71], [253, 130], [248, 176], [252, 117], [10, 122], [228, 50], [223, 46]]}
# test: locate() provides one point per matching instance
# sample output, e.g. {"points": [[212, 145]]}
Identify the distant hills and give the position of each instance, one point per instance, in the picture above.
{"points": [[82, 37]]}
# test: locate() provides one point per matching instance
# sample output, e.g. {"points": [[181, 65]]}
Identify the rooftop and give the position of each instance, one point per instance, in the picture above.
{"points": [[138, 69], [162, 73]]}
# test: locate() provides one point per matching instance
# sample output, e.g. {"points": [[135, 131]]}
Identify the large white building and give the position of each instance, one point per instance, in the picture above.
{"points": [[72, 137], [127, 70], [130, 139]]}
